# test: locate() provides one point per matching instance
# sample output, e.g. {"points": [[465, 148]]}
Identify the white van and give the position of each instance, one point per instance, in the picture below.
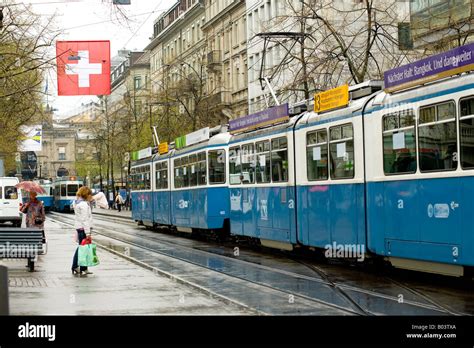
{"points": [[10, 199]]}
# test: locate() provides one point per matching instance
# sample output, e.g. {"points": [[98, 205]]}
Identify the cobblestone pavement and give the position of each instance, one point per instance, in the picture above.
{"points": [[117, 287]]}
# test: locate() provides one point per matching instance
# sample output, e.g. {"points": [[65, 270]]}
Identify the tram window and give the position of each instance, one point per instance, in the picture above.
{"points": [[399, 143], [317, 155], [1, 192], [193, 173], [178, 175], [263, 162], [248, 164], [235, 170], [279, 160], [201, 168], [63, 190], [147, 178], [161, 175], [437, 138], [467, 133], [342, 152], [72, 190], [217, 162]]}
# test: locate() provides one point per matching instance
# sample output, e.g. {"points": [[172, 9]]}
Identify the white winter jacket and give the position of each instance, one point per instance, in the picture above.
{"points": [[83, 215]]}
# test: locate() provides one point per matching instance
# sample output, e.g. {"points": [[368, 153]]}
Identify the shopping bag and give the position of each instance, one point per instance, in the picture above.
{"points": [[87, 255]]}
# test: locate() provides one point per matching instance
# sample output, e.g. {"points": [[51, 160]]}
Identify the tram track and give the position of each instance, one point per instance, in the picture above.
{"points": [[340, 290], [262, 287]]}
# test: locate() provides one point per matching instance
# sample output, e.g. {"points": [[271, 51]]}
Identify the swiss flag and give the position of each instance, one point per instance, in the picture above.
{"points": [[83, 67]]}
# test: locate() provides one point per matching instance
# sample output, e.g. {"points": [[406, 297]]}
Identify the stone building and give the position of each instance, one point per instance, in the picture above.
{"points": [[225, 31]]}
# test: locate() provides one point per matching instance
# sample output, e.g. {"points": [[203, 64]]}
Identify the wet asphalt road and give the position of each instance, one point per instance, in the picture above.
{"points": [[282, 284]]}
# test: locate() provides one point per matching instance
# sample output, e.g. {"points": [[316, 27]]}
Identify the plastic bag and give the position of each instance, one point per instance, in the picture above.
{"points": [[87, 255]]}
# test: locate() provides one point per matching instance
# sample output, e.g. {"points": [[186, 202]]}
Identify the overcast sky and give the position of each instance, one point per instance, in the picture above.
{"points": [[78, 19]]}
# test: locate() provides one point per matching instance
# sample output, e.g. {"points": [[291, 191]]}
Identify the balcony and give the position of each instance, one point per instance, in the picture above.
{"points": [[223, 98], [214, 60]]}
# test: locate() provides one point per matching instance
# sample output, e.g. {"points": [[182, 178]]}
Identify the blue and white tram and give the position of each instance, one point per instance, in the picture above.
{"points": [[65, 190], [261, 183], [142, 192], [199, 190], [186, 188], [330, 180], [420, 176], [48, 197], [391, 175]]}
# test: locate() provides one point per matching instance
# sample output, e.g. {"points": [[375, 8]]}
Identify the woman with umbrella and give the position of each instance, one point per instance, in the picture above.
{"points": [[34, 209]]}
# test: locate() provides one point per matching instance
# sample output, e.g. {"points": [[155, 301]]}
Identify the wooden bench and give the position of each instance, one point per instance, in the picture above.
{"points": [[22, 243]]}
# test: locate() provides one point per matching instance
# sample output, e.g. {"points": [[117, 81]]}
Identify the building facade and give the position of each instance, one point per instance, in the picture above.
{"points": [[438, 25], [58, 155], [225, 32], [298, 55]]}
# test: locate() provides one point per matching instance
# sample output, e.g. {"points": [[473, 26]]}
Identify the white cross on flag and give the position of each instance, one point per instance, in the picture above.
{"points": [[83, 67]]}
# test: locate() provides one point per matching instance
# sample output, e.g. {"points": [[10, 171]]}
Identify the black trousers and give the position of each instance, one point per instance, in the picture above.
{"points": [[81, 234]]}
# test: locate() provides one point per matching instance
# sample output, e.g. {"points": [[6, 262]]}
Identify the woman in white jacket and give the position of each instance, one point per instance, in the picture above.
{"points": [[83, 223]]}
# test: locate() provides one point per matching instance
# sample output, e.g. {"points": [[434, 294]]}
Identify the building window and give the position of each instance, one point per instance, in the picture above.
{"points": [[405, 41], [62, 153], [138, 82], [437, 137]]}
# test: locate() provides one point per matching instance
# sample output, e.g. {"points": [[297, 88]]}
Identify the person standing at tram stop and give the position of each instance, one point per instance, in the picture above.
{"points": [[119, 201], [83, 224], [34, 211]]}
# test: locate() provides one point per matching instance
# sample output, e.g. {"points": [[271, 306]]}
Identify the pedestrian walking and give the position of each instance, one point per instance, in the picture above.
{"points": [[119, 201], [34, 211], [83, 224]]}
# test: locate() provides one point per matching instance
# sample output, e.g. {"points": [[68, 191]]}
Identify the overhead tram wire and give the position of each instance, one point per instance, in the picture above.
{"points": [[107, 21], [146, 20]]}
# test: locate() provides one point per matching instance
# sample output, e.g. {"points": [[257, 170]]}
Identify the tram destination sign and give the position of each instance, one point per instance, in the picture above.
{"points": [[456, 61], [332, 99], [267, 117]]}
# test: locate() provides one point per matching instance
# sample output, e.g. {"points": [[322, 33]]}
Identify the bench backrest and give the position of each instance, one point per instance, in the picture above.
{"points": [[17, 242]]}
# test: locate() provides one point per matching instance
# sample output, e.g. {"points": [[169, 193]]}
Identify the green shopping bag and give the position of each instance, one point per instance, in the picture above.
{"points": [[87, 255]]}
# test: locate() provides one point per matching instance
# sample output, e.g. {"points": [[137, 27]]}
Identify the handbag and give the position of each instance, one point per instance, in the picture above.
{"points": [[87, 240], [87, 255]]}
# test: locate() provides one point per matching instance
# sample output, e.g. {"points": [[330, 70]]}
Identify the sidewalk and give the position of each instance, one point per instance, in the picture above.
{"points": [[111, 212], [117, 287]]}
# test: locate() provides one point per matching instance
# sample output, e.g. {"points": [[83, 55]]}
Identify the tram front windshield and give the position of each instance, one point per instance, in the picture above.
{"points": [[72, 189]]}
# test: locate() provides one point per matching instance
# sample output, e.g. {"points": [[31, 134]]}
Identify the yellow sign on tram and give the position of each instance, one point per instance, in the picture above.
{"points": [[163, 148], [332, 99]]}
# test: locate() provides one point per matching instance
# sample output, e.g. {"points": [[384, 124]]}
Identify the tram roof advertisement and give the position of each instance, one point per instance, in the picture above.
{"points": [[455, 61], [193, 138], [267, 117]]}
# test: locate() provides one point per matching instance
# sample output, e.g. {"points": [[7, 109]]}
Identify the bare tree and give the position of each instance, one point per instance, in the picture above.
{"points": [[338, 42], [25, 38]]}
